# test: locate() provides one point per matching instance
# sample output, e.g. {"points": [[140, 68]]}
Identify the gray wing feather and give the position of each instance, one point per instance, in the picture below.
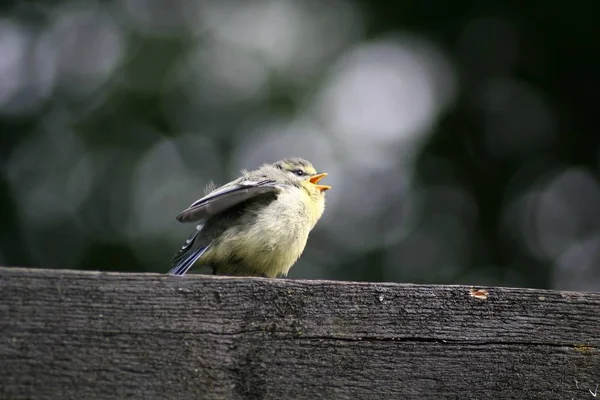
{"points": [[225, 198]]}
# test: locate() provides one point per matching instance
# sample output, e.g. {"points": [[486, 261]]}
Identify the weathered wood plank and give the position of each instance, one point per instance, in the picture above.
{"points": [[83, 335]]}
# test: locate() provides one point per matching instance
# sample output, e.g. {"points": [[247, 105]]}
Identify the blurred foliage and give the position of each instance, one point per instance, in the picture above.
{"points": [[460, 138]]}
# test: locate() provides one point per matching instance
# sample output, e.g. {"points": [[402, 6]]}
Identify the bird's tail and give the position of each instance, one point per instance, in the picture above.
{"points": [[183, 265], [186, 257]]}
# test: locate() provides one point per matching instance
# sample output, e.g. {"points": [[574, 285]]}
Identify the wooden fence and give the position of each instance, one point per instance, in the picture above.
{"points": [[89, 335]]}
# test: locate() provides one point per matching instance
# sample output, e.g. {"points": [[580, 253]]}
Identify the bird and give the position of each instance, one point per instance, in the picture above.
{"points": [[256, 225]]}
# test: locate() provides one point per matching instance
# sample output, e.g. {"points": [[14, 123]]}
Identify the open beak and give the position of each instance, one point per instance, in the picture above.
{"points": [[316, 178]]}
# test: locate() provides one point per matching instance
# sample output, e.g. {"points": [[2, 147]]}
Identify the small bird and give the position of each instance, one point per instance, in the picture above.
{"points": [[256, 225]]}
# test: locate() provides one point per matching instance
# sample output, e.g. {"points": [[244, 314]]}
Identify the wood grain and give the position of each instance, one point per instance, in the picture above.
{"points": [[85, 335]]}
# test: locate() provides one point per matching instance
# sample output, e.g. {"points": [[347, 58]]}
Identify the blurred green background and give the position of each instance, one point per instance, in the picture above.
{"points": [[460, 137]]}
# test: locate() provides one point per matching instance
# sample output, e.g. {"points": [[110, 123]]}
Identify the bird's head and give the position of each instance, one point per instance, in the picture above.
{"points": [[302, 171]]}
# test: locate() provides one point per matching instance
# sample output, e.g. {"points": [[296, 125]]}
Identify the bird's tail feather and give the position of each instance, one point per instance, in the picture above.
{"points": [[185, 263]]}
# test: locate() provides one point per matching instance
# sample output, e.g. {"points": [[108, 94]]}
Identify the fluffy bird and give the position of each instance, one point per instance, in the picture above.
{"points": [[256, 225]]}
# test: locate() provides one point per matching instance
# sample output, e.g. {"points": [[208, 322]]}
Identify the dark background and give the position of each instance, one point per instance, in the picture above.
{"points": [[460, 137]]}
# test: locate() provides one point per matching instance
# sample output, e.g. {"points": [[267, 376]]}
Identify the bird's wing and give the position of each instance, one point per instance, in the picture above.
{"points": [[227, 197]]}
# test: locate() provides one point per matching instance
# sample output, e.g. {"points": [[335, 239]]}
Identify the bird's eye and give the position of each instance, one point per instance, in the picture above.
{"points": [[298, 172]]}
